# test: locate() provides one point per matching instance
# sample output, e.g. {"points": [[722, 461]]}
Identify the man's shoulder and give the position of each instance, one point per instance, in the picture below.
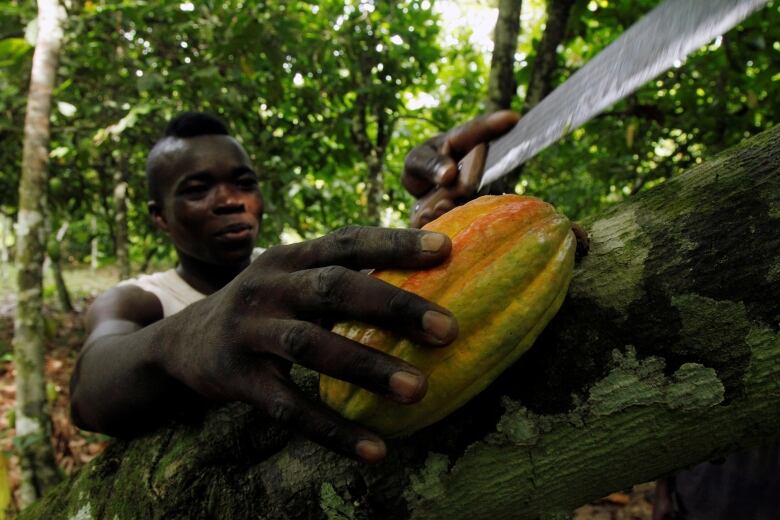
{"points": [[125, 302], [172, 291]]}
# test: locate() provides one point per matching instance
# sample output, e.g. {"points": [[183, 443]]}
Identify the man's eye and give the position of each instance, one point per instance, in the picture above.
{"points": [[194, 188], [247, 182]]}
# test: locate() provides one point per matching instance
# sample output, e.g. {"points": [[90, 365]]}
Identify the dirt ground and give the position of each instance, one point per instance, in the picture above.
{"points": [[74, 447]]}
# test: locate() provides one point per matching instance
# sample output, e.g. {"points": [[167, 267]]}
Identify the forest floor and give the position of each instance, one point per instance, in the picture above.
{"points": [[74, 447]]}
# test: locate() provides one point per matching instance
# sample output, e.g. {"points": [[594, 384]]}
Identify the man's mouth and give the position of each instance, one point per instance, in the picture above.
{"points": [[235, 232]]}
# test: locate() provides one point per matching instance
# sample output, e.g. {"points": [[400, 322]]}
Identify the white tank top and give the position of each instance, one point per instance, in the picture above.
{"points": [[172, 291]]}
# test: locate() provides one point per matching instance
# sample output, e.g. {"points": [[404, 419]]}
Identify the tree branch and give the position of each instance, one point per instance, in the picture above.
{"points": [[665, 354]]}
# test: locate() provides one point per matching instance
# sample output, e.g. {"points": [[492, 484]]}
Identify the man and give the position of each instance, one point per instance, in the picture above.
{"points": [[221, 327]]}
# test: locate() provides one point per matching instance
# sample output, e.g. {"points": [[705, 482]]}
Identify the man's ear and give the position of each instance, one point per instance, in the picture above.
{"points": [[155, 211]]}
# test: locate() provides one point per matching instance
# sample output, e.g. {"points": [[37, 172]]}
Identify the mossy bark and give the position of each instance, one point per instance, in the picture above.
{"points": [[665, 354], [33, 428]]}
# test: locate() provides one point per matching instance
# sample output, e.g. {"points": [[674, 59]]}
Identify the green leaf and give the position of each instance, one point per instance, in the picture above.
{"points": [[12, 50]]}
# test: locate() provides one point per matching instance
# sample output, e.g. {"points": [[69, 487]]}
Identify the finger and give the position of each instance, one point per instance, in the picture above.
{"points": [[426, 166], [358, 247], [461, 140], [443, 206], [328, 353], [434, 204], [287, 405], [338, 292], [416, 186], [434, 163]]}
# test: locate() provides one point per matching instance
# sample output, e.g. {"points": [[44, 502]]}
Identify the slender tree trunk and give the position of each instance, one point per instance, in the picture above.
{"points": [[666, 353], [542, 78], [33, 427], [120, 217], [5, 254], [373, 151], [93, 245], [63, 295], [502, 86], [55, 256], [545, 65], [375, 189]]}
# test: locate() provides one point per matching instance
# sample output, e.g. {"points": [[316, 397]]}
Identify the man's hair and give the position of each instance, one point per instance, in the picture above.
{"points": [[193, 124], [183, 126]]}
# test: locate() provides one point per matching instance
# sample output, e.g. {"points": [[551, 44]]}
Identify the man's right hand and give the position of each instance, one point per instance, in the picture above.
{"points": [[266, 319]]}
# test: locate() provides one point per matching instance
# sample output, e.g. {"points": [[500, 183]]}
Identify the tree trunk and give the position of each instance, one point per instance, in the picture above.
{"points": [[94, 252], [375, 189], [33, 427], [541, 81], [546, 63], [373, 151], [55, 256], [63, 295], [666, 353], [5, 254], [120, 217], [502, 85]]}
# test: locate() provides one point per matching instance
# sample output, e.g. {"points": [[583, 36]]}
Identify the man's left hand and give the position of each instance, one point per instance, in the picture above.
{"points": [[434, 163]]}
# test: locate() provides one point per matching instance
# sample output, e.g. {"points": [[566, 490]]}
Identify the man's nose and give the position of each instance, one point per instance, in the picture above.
{"points": [[227, 199]]}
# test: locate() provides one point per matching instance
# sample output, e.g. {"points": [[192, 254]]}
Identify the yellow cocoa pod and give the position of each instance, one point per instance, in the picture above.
{"points": [[511, 263]]}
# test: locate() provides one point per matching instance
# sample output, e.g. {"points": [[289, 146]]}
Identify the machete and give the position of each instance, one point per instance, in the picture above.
{"points": [[658, 41]]}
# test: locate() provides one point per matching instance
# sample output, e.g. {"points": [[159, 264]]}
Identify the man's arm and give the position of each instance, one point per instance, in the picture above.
{"points": [[117, 387], [238, 343]]}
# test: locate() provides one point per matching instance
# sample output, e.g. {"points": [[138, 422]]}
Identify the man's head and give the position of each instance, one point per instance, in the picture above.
{"points": [[203, 190]]}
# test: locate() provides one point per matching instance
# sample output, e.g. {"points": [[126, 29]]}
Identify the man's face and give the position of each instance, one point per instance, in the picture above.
{"points": [[211, 204]]}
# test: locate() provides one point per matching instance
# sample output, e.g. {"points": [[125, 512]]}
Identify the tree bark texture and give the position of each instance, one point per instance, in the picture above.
{"points": [[93, 245], [33, 427], [5, 233], [373, 151], [120, 218], [502, 85], [546, 63], [665, 354], [55, 257]]}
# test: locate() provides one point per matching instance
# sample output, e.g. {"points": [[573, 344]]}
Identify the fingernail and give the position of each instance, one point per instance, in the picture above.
{"points": [[370, 451], [406, 385], [432, 242], [438, 324]]}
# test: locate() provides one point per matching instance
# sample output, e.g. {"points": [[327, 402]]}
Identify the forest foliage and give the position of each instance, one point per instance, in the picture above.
{"points": [[317, 90]]}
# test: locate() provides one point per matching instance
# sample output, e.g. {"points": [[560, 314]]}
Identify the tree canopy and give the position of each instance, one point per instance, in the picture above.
{"points": [[314, 90]]}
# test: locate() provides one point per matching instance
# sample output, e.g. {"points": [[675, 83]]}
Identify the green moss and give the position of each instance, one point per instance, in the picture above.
{"points": [[694, 387], [774, 210], [774, 272], [635, 382], [632, 382], [518, 424], [621, 237], [714, 332], [335, 507], [763, 344], [292, 469], [427, 483], [85, 513], [620, 390]]}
